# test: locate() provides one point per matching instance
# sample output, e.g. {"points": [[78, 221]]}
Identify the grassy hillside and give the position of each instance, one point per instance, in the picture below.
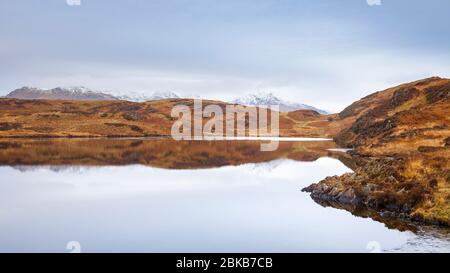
{"points": [[401, 141], [47, 118]]}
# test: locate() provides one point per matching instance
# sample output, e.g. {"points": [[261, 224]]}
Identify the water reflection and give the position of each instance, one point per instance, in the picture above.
{"points": [[165, 196], [162, 152]]}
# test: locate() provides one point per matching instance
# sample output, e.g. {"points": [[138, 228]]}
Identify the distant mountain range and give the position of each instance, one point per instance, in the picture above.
{"points": [[270, 99], [139, 97], [59, 93], [83, 93]]}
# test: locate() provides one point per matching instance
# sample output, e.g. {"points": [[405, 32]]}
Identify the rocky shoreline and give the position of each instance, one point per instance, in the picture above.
{"points": [[383, 184], [401, 145]]}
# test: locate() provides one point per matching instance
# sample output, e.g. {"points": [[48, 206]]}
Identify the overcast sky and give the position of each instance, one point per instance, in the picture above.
{"points": [[324, 53]]}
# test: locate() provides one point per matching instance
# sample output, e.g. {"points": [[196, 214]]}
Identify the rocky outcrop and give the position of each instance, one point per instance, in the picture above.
{"points": [[401, 143], [379, 183]]}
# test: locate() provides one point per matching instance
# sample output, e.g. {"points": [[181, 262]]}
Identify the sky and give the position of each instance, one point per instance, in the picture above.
{"points": [[325, 53]]}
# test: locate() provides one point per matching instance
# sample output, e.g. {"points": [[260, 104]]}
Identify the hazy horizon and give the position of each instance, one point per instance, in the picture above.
{"points": [[326, 54]]}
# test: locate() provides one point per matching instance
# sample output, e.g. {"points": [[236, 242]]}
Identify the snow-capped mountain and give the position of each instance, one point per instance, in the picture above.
{"points": [[83, 93], [260, 99], [59, 93], [140, 97]]}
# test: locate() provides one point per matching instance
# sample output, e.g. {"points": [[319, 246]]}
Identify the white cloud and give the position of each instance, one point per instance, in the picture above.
{"points": [[337, 81]]}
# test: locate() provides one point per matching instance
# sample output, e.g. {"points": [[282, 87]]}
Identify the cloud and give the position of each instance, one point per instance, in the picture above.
{"points": [[326, 54], [338, 80]]}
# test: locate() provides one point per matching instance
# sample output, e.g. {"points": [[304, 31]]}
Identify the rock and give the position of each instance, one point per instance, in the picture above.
{"points": [[132, 116], [348, 197], [370, 187], [447, 142], [6, 126]]}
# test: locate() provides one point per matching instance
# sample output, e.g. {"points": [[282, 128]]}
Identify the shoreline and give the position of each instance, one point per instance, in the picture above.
{"points": [[205, 138], [379, 184]]}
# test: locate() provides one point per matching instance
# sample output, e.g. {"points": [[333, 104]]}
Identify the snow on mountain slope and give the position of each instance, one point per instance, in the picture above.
{"points": [[59, 93], [260, 99], [140, 97], [83, 93]]}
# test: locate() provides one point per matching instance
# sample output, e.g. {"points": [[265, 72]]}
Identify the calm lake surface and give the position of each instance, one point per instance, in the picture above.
{"points": [[158, 195]]}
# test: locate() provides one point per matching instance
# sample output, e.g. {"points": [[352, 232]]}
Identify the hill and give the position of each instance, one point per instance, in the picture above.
{"points": [[258, 99], [117, 118], [58, 93], [401, 142]]}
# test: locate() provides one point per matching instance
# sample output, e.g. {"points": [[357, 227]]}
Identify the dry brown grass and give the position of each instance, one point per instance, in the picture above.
{"points": [[407, 129], [40, 118]]}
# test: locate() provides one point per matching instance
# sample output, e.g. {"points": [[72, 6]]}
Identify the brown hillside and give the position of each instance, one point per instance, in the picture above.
{"points": [[401, 141], [58, 118], [400, 119]]}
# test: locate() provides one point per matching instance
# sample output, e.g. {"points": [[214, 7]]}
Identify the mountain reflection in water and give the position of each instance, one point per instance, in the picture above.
{"points": [[160, 152], [161, 195]]}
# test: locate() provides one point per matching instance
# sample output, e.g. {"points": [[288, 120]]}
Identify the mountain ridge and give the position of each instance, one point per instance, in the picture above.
{"points": [[261, 98], [59, 93], [83, 93]]}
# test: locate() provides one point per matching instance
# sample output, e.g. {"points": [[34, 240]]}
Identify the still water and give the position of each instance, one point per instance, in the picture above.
{"points": [[165, 196]]}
